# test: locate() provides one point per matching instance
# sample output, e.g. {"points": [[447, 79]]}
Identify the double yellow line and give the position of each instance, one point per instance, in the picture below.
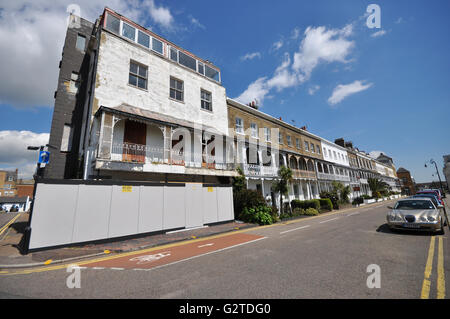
{"points": [[2, 230], [426, 285]]}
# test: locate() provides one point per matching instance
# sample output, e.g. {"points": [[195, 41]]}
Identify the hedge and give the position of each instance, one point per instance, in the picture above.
{"points": [[246, 198], [305, 204], [325, 205]]}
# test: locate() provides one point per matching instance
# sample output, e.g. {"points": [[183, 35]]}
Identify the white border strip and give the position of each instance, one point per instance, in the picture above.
{"points": [[287, 231]]}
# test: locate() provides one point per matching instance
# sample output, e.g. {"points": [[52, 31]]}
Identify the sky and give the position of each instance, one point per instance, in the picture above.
{"points": [[314, 63]]}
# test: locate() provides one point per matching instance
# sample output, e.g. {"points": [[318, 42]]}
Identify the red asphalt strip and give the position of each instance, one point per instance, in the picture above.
{"points": [[172, 254]]}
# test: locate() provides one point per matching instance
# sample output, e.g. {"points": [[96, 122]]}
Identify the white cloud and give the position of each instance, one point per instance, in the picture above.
{"points": [[313, 89], [251, 56], [295, 33], [399, 20], [256, 90], [32, 37], [319, 45], [277, 45], [342, 91], [322, 45], [14, 152], [197, 23], [378, 33]]}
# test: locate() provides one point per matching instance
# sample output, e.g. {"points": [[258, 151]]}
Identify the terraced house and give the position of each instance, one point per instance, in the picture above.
{"points": [[264, 143], [152, 111]]}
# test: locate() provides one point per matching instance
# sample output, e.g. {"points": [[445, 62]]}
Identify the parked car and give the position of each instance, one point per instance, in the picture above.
{"points": [[433, 197], [416, 214], [431, 191], [442, 194]]}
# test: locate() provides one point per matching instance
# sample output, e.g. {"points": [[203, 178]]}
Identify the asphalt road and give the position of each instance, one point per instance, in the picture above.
{"points": [[321, 257]]}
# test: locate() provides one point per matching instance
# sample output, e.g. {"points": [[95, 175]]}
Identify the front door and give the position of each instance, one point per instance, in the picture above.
{"points": [[134, 140]]}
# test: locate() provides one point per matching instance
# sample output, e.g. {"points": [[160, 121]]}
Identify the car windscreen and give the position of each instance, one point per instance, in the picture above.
{"points": [[430, 196], [414, 204]]}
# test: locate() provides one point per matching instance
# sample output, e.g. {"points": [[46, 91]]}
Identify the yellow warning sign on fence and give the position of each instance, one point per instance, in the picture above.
{"points": [[210, 189], [127, 188]]}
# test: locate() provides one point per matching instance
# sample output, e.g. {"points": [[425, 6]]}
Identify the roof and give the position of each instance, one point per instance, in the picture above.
{"points": [[146, 115], [13, 200], [402, 170]]}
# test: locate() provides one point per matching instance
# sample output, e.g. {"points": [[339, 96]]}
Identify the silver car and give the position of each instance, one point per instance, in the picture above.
{"points": [[416, 214]]}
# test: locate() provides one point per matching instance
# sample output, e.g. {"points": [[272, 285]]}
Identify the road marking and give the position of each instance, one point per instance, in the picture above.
{"points": [[208, 253], [428, 268], [440, 270], [352, 214], [149, 258], [97, 268], [205, 245], [116, 268], [287, 231], [328, 220], [6, 226]]}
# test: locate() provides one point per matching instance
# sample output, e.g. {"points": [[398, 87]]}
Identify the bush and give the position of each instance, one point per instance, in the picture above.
{"points": [[325, 205], [358, 201], [377, 195], [246, 198], [257, 215], [333, 196], [311, 212], [305, 204], [298, 212], [366, 197]]}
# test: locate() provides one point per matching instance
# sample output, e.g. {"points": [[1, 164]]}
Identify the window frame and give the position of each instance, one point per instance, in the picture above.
{"points": [[210, 109], [239, 128], [176, 89], [254, 129], [137, 75]]}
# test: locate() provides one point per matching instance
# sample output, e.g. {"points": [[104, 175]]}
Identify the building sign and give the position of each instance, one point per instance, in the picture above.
{"points": [[356, 188], [127, 189]]}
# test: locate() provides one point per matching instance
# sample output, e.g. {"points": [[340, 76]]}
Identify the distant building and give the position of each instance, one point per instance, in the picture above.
{"points": [[446, 170], [9, 203], [25, 187], [8, 181], [408, 186]]}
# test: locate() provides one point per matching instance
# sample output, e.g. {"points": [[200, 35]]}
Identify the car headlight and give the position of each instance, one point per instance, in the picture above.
{"points": [[394, 217], [431, 218], [424, 219]]}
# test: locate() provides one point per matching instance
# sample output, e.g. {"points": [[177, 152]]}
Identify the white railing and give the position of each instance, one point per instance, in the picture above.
{"points": [[138, 153], [333, 177], [259, 170]]}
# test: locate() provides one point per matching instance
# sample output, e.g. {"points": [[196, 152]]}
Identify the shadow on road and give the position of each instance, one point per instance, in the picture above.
{"points": [[19, 228], [385, 229]]}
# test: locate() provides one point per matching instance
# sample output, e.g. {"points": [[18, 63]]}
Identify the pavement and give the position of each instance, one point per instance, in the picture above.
{"points": [[12, 242], [12, 227]]}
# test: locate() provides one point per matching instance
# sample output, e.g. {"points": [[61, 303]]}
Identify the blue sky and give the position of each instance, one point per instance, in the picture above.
{"points": [[391, 89]]}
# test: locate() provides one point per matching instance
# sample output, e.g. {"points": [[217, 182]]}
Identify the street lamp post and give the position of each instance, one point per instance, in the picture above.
{"points": [[439, 176]]}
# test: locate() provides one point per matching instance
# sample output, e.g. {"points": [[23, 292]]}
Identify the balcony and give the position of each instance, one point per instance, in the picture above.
{"points": [[259, 170], [333, 177], [138, 157], [297, 173]]}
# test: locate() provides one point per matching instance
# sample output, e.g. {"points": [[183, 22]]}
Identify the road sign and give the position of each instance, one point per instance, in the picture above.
{"points": [[44, 156]]}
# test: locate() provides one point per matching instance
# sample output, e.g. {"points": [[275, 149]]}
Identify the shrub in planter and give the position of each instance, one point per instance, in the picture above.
{"points": [[257, 215], [325, 205], [366, 196], [246, 198], [311, 212], [377, 195]]}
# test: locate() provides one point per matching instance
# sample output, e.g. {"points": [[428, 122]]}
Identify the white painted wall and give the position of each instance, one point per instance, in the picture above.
{"points": [[113, 88], [341, 153]]}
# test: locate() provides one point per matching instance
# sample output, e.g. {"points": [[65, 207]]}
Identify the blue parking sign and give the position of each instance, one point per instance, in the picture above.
{"points": [[44, 156]]}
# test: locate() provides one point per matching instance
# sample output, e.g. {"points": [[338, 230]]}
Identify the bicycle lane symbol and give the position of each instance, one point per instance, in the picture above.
{"points": [[150, 258]]}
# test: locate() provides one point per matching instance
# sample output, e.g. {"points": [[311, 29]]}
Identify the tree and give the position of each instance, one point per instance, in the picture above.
{"points": [[377, 186], [342, 191], [239, 181], [281, 185]]}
